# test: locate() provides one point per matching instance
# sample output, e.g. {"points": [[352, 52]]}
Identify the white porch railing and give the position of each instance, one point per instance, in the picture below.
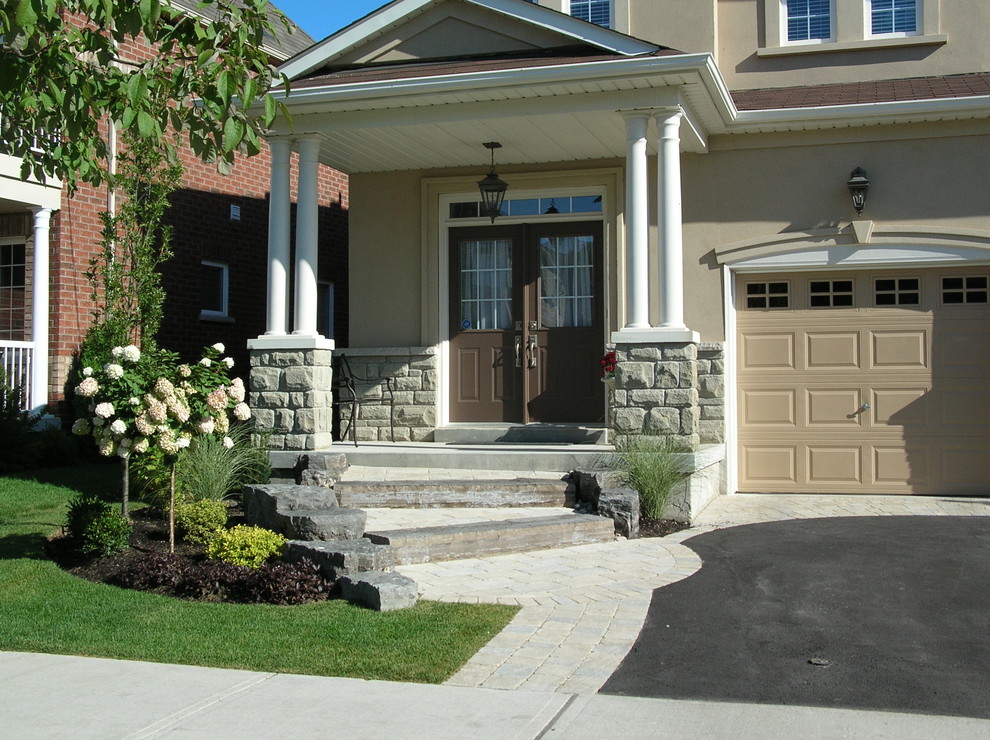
{"points": [[17, 361]]}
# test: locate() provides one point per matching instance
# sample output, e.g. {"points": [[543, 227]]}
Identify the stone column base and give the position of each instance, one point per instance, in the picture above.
{"points": [[291, 392]]}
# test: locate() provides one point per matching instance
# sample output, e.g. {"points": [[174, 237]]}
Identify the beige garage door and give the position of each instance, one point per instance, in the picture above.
{"points": [[864, 382]]}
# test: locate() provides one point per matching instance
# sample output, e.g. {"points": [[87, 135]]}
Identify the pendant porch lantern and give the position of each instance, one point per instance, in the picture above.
{"points": [[492, 187]]}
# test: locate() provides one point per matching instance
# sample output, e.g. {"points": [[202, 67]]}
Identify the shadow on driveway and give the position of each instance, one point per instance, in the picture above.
{"points": [[889, 613]]}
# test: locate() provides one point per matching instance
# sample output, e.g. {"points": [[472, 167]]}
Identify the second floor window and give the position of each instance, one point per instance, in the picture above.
{"points": [[894, 16], [809, 20], [593, 11]]}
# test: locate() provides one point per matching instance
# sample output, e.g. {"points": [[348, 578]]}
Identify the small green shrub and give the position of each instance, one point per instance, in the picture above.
{"points": [[199, 521], [94, 529], [107, 534], [245, 545], [649, 465]]}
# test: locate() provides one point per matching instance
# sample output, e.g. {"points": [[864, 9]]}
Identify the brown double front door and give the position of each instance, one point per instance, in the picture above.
{"points": [[526, 318]]}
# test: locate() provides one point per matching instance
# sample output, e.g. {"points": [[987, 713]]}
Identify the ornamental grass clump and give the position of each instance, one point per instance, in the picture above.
{"points": [[139, 402], [649, 465]]}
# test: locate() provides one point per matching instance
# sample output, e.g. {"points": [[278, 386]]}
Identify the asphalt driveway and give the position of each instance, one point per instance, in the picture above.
{"points": [[889, 613]]}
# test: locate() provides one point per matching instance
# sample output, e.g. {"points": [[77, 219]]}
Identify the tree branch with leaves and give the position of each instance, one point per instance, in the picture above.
{"points": [[205, 80]]}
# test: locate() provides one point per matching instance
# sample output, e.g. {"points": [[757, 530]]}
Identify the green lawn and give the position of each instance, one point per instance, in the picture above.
{"points": [[43, 609]]}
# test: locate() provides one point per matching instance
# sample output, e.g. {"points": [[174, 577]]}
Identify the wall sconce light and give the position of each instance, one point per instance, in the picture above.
{"points": [[858, 184], [492, 187]]}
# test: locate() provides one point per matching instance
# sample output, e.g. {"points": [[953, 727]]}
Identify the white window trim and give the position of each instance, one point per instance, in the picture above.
{"points": [[327, 285], [852, 24], [781, 34], [919, 23], [225, 273], [611, 11]]}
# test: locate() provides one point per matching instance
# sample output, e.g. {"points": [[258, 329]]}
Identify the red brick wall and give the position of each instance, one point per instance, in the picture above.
{"points": [[200, 217]]}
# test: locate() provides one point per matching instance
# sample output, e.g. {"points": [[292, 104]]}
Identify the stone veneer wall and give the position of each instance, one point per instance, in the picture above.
{"points": [[711, 392], [414, 381], [670, 388], [290, 394]]}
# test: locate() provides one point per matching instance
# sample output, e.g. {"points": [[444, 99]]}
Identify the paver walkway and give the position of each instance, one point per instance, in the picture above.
{"points": [[584, 606]]}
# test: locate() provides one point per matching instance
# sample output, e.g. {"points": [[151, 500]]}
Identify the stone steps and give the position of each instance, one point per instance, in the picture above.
{"points": [[482, 539], [456, 493]]}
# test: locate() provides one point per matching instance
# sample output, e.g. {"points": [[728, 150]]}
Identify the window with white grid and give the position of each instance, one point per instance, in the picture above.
{"points": [[808, 20], [486, 284], [567, 297], [593, 11], [893, 16]]}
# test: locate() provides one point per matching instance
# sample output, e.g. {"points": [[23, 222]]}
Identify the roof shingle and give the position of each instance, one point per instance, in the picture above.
{"points": [[855, 93]]}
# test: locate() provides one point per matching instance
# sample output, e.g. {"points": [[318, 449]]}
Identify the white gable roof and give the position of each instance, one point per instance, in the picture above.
{"points": [[570, 30]]}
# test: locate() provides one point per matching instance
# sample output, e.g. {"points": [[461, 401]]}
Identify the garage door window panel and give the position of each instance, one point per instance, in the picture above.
{"points": [[768, 295], [897, 292], [962, 290], [831, 294]]}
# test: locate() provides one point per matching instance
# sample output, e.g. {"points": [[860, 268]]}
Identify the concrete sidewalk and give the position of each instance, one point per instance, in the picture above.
{"points": [[48, 696]]}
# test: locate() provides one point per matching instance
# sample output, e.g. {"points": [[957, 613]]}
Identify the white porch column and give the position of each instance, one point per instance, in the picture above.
{"points": [[278, 238], [670, 221], [40, 310], [307, 236], [637, 223]]}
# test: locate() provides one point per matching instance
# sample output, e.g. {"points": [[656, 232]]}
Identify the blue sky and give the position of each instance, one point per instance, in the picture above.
{"points": [[320, 18]]}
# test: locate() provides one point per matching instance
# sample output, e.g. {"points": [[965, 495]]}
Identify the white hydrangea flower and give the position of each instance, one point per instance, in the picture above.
{"points": [[134, 401], [104, 410], [206, 362], [182, 442], [206, 426], [113, 371], [118, 427], [141, 445], [219, 347], [117, 352], [185, 371], [228, 361], [87, 388], [131, 353], [228, 442], [242, 412], [87, 371]]}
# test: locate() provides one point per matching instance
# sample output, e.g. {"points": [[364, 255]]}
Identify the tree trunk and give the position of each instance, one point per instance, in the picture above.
{"points": [[171, 510], [125, 486]]}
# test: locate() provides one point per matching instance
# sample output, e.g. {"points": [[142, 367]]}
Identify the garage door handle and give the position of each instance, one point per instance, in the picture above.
{"points": [[532, 351], [865, 407]]}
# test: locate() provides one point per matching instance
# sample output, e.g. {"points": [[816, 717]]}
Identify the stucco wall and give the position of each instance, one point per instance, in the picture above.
{"points": [[742, 31], [385, 260], [746, 187]]}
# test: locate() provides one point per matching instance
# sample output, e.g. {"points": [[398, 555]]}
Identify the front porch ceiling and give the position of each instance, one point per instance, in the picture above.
{"points": [[441, 123]]}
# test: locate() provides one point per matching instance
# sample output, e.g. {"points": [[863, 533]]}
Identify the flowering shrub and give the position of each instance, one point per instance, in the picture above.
{"points": [[138, 401], [608, 365]]}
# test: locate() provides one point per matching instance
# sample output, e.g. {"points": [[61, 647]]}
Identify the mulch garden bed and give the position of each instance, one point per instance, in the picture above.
{"points": [[659, 527]]}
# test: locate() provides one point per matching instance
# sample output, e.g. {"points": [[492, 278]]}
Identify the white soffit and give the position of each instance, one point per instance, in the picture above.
{"points": [[400, 11]]}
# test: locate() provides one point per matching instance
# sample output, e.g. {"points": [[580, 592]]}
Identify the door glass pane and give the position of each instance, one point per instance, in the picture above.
{"points": [[566, 279], [486, 284]]}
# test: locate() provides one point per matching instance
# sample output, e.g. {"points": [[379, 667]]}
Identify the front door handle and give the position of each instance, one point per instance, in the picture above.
{"points": [[518, 350], [531, 350]]}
